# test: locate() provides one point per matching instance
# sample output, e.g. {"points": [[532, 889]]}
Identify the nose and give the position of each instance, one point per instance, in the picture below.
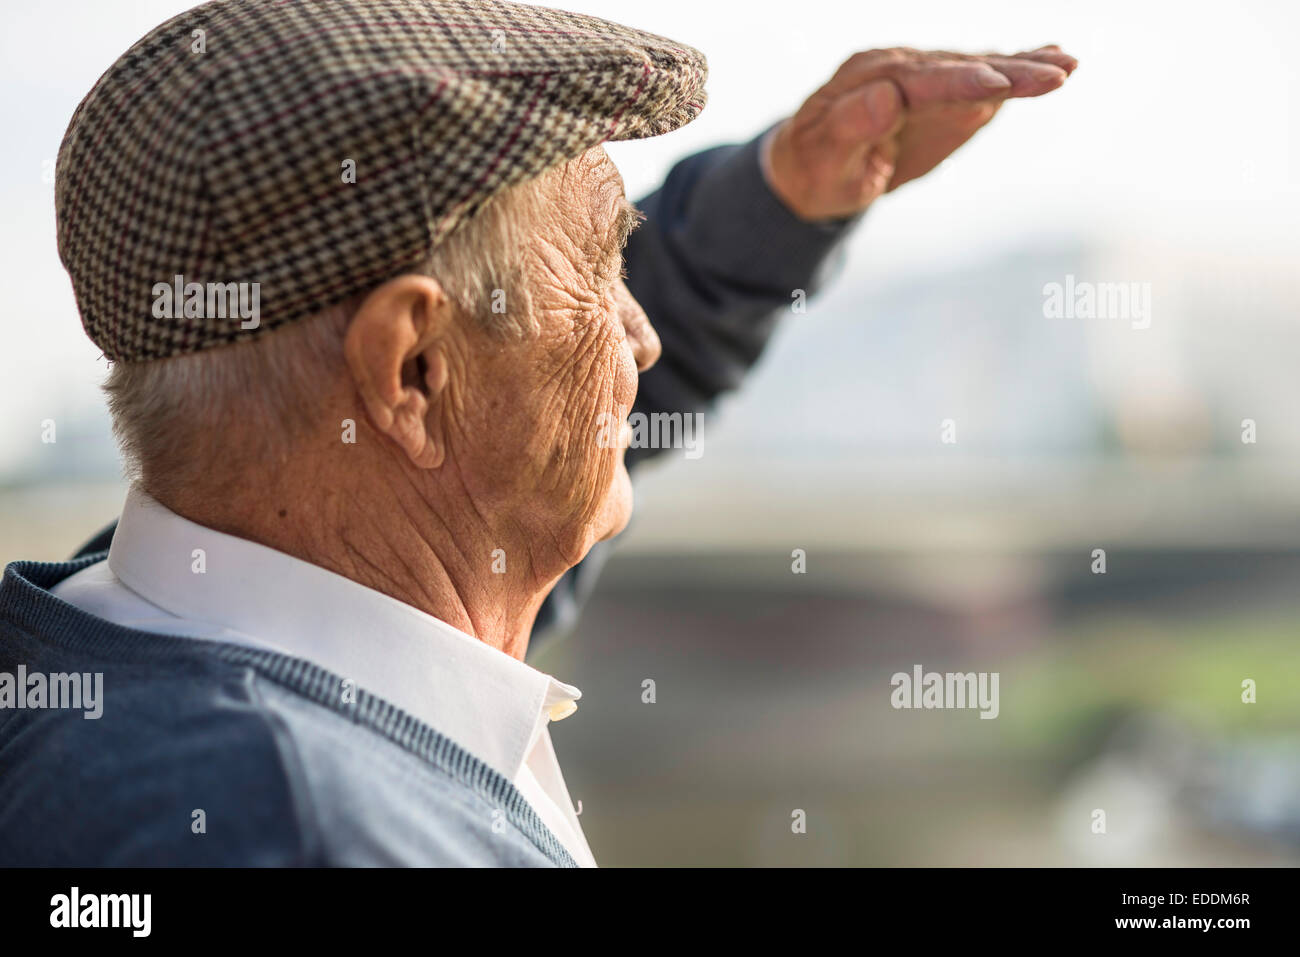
{"points": [[636, 326]]}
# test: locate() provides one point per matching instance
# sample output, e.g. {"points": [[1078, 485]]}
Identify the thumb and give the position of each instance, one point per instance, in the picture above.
{"points": [[864, 115]]}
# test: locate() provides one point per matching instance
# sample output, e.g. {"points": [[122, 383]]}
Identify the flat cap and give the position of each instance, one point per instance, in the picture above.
{"points": [[299, 152]]}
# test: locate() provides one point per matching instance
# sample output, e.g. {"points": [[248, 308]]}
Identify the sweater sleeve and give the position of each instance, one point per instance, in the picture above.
{"points": [[716, 263]]}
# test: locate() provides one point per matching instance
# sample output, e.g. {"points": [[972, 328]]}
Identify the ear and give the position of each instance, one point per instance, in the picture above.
{"points": [[400, 322]]}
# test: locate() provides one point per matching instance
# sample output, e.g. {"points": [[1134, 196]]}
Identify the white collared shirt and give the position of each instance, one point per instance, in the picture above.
{"points": [[493, 705]]}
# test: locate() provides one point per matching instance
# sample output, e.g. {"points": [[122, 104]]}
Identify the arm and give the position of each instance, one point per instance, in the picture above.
{"points": [[728, 239], [717, 260]]}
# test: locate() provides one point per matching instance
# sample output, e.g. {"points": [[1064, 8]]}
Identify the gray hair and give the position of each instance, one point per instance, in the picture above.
{"points": [[168, 414]]}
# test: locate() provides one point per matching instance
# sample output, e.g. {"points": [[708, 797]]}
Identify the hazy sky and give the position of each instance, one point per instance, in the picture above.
{"points": [[1179, 128]]}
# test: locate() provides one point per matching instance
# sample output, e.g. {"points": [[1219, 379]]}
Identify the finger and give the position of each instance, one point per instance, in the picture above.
{"points": [[877, 170], [934, 81], [1053, 55], [863, 115], [922, 77], [1028, 77], [1050, 55]]}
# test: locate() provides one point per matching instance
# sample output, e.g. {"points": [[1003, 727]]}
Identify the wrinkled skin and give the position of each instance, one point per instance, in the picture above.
{"points": [[541, 399]]}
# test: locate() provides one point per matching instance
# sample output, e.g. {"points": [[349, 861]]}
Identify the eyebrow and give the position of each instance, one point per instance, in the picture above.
{"points": [[626, 220]]}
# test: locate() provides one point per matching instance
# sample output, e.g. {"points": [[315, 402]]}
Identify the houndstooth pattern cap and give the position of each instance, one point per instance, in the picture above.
{"points": [[316, 148]]}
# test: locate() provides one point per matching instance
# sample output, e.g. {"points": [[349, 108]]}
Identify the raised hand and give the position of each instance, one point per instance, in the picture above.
{"points": [[889, 116]]}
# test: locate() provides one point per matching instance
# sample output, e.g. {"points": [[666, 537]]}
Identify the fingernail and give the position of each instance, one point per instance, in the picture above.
{"points": [[881, 98], [992, 80], [1058, 75]]}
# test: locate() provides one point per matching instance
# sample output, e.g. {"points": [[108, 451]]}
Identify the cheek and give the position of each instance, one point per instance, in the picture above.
{"points": [[602, 380], [601, 404], [571, 448], [555, 413], [625, 378]]}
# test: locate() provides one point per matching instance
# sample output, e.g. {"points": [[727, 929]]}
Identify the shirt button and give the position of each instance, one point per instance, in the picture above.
{"points": [[562, 709]]}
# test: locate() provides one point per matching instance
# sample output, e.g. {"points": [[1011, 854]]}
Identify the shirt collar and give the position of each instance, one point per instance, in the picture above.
{"points": [[493, 705]]}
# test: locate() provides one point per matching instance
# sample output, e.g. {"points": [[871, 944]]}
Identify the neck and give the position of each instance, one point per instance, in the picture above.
{"points": [[417, 545]]}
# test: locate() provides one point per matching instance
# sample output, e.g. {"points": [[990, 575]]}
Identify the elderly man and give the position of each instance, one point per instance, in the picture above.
{"points": [[358, 270]]}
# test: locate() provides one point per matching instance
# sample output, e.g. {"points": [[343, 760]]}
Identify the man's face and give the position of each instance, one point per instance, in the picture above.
{"points": [[550, 406]]}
